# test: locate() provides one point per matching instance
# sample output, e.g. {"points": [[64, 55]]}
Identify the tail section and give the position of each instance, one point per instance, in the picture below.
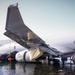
{"points": [[18, 31], [13, 18]]}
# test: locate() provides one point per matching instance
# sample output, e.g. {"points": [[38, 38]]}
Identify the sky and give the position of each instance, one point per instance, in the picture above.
{"points": [[47, 18]]}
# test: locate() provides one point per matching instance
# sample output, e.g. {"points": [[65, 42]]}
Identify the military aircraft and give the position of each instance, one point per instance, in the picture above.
{"points": [[35, 47]]}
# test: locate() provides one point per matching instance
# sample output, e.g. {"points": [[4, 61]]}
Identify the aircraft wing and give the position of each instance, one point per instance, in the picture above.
{"points": [[66, 51], [19, 32]]}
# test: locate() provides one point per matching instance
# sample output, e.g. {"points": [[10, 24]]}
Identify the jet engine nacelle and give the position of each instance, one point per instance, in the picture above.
{"points": [[28, 55], [73, 57], [23, 56]]}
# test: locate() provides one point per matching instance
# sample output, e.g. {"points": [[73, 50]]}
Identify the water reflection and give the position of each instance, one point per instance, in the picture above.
{"points": [[24, 69], [35, 69], [44, 69], [17, 69]]}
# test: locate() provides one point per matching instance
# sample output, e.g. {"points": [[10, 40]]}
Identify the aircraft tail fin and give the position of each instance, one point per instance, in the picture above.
{"points": [[14, 18], [18, 31]]}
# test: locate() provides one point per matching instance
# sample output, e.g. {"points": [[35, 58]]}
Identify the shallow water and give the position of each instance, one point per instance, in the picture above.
{"points": [[16, 68]]}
